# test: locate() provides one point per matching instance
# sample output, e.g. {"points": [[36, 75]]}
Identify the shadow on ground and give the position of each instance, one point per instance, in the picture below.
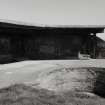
{"points": [[99, 85]]}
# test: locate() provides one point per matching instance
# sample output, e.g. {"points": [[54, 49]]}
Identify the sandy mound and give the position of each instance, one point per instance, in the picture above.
{"points": [[72, 79]]}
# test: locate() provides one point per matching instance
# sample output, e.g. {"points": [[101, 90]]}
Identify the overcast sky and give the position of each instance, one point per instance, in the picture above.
{"points": [[69, 12]]}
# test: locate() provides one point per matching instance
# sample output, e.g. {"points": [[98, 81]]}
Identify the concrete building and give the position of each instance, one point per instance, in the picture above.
{"points": [[38, 42]]}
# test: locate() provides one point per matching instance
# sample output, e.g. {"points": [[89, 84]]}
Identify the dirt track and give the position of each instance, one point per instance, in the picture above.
{"points": [[28, 71]]}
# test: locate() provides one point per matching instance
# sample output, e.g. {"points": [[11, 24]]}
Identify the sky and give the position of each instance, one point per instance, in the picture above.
{"points": [[54, 12]]}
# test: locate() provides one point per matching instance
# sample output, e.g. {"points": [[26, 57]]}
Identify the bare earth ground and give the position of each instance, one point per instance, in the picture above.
{"points": [[28, 71], [48, 77]]}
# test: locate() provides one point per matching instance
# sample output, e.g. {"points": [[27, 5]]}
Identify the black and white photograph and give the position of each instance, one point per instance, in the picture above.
{"points": [[52, 52]]}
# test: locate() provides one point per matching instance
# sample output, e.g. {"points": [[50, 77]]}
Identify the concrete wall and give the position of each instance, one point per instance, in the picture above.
{"points": [[53, 47], [42, 45]]}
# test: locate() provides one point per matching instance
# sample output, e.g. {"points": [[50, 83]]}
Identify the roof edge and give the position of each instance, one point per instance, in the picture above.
{"points": [[46, 25]]}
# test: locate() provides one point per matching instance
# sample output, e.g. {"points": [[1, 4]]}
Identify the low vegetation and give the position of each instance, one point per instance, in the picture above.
{"points": [[20, 94]]}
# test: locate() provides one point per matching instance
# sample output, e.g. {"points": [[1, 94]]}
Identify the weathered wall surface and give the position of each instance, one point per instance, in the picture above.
{"points": [[100, 48], [42, 45], [4, 45], [5, 50], [53, 47]]}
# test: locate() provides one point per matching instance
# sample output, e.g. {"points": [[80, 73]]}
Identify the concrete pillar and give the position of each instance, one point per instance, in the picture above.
{"points": [[94, 46]]}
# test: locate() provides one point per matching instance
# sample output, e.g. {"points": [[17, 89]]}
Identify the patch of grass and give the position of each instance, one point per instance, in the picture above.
{"points": [[20, 94]]}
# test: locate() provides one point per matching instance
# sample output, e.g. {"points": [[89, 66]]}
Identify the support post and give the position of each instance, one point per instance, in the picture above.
{"points": [[94, 46]]}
